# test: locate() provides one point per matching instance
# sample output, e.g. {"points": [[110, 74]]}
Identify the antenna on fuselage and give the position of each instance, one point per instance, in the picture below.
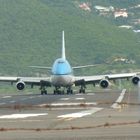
{"points": [[63, 45]]}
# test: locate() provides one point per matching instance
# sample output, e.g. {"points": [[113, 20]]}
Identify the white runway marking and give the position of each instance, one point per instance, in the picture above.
{"points": [[68, 108], [6, 97], [90, 93], [64, 99], [79, 114], [79, 98], [20, 116], [68, 104], [119, 100]]}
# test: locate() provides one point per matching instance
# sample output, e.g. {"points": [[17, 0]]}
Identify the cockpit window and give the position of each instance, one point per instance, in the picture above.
{"points": [[60, 61]]}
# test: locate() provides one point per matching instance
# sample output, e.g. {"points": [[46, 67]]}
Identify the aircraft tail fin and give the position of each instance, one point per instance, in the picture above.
{"points": [[63, 45]]}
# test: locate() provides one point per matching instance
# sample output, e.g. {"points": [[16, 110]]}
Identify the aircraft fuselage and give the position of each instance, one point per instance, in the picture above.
{"points": [[62, 73]]}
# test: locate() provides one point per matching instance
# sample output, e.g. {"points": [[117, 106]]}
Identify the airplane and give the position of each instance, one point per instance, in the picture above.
{"points": [[63, 79]]}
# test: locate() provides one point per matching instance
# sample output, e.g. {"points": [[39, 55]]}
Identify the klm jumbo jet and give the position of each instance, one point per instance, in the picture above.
{"points": [[63, 79]]}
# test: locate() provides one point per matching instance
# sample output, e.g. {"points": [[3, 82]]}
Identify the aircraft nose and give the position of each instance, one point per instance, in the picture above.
{"points": [[61, 67]]}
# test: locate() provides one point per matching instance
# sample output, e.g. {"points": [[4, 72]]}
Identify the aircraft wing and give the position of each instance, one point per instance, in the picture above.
{"points": [[78, 79], [27, 80], [108, 77], [8, 79]]}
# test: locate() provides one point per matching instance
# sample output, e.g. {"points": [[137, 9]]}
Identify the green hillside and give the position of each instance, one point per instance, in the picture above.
{"points": [[30, 34]]}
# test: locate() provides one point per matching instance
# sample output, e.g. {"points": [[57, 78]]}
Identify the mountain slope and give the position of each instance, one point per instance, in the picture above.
{"points": [[30, 34]]}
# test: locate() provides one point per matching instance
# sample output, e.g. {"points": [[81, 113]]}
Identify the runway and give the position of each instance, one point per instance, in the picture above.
{"points": [[106, 114]]}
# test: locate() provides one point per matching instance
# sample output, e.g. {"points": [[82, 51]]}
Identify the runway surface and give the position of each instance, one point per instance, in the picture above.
{"points": [[102, 115]]}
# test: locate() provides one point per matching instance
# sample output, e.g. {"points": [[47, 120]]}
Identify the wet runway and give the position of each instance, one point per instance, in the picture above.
{"points": [[106, 114]]}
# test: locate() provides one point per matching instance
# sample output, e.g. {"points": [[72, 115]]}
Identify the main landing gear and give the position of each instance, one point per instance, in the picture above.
{"points": [[59, 91], [69, 91], [82, 89], [43, 90]]}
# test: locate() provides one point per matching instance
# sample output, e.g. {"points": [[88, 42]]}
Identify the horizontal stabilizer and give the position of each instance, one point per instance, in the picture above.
{"points": [[41, 67], [85, 66]]}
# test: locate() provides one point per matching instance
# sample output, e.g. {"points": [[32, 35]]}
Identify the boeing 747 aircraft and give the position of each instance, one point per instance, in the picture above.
{"points": [[63, 79]]}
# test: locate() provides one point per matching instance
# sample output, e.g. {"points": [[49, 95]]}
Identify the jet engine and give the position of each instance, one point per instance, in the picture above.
{"points": [[135, 80], [104, 83], [20, 85]]}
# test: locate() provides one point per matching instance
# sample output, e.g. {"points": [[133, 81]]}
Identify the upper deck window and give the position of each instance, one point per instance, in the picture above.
{"points": [[60, 61]]}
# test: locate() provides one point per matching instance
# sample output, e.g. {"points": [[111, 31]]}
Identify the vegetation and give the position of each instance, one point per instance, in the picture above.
{"points": [[30, 34]]}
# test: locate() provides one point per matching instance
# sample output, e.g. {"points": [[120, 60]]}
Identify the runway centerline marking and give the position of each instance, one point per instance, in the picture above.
{"points": [[117, 105], [79, 114], [20, 116]]}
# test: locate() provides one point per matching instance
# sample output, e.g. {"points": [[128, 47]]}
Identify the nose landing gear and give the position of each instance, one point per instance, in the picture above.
{"points": [[59, 91]]}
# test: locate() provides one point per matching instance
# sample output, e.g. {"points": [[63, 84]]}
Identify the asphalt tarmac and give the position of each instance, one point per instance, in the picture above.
{"points": [[103, 115]]}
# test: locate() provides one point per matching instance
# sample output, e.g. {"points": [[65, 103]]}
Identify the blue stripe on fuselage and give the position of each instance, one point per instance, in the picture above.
{"points": [[61, 67]]}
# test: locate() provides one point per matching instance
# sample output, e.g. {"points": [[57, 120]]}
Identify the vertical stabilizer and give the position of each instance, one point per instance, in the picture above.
{"points": [[63, 45]]}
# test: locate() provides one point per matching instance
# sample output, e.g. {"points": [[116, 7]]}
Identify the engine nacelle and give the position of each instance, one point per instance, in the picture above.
{"points": [[135, 80], [104, 83], [20, 85]]}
